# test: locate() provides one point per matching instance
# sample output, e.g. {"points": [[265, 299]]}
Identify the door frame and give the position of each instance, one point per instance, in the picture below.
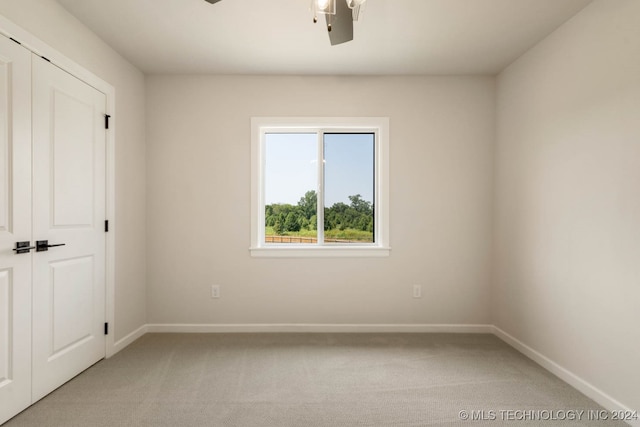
{"points": [[40, 48]]}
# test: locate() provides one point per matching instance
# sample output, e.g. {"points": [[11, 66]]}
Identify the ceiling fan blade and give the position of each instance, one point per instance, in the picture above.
{"points": [[341, 24], [212, 1]]}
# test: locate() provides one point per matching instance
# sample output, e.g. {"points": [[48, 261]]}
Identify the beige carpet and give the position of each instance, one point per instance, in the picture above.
{"points": [[313, 380]]}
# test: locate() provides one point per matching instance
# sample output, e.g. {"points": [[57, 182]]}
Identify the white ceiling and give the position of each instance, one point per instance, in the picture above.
{"points": [[279, 37]]}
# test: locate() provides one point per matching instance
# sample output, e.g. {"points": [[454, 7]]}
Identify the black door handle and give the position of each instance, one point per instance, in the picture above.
{"points": [[43, 245], [23, 247]]}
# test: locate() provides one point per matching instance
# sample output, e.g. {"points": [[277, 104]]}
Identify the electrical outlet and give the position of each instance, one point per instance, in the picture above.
{"points": [[215, 291], [417, 291]]}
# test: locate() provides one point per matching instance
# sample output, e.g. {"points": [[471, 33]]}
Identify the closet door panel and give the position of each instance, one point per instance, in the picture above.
{"points": [[68, 208], [15, 226]]}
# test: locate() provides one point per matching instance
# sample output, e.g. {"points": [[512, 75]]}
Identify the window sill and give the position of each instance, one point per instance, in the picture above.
{"points": [[319, 252]]}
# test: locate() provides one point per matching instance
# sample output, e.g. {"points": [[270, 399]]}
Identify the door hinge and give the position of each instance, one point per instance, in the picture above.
{"points": [[106, 328], [11, 38], [106, 225], [106, 121]]}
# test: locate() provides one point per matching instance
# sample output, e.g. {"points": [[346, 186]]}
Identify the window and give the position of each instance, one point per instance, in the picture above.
{"points": [[337, 164]]}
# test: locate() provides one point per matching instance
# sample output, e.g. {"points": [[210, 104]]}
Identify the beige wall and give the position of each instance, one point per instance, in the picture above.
{"points": [[198, 198], [567, 259], [48, 21]]}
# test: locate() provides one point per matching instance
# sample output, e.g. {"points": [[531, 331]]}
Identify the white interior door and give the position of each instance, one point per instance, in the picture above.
{"points": [[68, 208], [15, 226]]}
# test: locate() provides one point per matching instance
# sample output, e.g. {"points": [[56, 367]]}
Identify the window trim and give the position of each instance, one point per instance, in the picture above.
{"points": [[262, 125]]}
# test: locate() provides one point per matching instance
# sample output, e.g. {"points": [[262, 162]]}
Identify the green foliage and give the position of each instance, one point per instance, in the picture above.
{"points": [[341, 221], [308, 204], [348, 234], [291, 222], [277, 228]]}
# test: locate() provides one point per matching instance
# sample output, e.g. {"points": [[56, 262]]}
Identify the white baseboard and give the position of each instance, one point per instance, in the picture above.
{"points": [[565, 375], [319, 328], [123, 342]]}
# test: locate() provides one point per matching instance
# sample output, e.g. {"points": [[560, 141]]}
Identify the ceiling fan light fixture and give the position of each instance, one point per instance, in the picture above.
{"points": [[355, 3], [322, 7], [356, 7]]}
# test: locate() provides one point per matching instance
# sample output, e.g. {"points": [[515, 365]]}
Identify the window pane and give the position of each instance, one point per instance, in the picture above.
{"points": [[349, 187], [291, 180]]}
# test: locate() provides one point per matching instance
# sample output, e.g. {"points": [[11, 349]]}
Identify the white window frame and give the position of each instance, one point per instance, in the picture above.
{"points": [[262, 125]]}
